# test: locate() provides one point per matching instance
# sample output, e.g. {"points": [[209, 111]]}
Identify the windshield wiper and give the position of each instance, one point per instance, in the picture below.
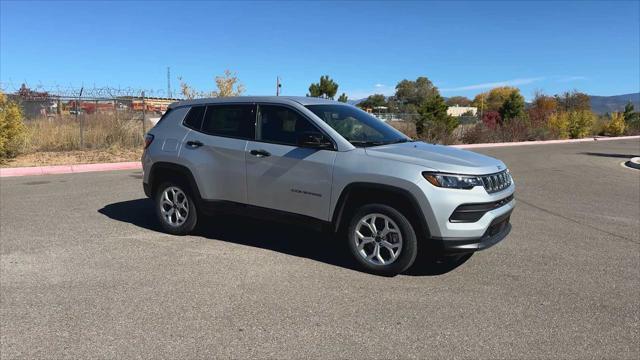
{"points": [[367, 143], [378, 142], [398, 141]]}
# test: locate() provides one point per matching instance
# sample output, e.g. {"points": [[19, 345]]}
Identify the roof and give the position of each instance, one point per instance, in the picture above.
{"points": [[302, 100]]}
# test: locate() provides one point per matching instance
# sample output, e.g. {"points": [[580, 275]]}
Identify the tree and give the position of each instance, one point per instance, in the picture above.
{"points": [[458, 101], [512, 107], [628, 111], [373, 101], [12, 130], [573, 101], [541, 109], [343, 98], [415, 92], [493, 99], [326, 88], [228, 85], [187, 91], [631, 117], [433, 114]]}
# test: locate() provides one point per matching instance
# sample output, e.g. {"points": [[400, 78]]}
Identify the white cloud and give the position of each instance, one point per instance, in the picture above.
{"points": [[570, 78], [356, 94], [489, 85]]}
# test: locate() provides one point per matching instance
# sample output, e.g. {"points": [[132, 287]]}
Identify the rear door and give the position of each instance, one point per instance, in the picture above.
{"points": [[282, 175], [215, 149]]}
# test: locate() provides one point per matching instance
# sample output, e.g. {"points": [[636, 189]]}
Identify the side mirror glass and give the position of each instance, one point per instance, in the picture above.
{"points": [[314, 140]]}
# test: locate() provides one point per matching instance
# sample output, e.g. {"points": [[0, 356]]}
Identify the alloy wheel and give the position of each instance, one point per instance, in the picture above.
{"points": [[378, 239], [174, 206]]}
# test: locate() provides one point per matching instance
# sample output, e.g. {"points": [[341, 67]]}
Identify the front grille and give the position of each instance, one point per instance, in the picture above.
{"points": [[496, 182]]}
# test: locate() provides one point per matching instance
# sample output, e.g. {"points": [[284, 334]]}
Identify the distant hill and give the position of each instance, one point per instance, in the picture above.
{"points": [[599, 104], [608, 104]]}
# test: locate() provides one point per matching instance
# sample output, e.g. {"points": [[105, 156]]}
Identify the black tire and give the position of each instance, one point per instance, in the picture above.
{"points": [[191, 220], [408, 251]]}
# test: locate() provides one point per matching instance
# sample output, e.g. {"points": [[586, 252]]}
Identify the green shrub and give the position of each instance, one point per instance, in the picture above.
{"points": [[433, 121], [559, 125], [580, 123], [13, 133], [616, 125]]}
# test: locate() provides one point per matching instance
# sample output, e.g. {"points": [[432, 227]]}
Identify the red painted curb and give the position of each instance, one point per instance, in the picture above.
{"points": [[135, 165]]}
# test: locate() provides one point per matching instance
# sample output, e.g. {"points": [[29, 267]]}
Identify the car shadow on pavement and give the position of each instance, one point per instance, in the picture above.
{"points": [[621, 156], [284, 238]]}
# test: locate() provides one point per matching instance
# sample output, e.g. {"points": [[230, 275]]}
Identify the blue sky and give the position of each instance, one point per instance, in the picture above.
{"points": [[367, 47]]}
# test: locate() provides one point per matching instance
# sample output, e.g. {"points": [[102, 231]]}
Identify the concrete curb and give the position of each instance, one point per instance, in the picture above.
{"points": [[523, 143], [68, 169], [135, 165], [633, 163]]}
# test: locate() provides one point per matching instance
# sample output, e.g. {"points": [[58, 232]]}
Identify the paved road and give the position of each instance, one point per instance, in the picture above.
{"points": [[85, 273]]}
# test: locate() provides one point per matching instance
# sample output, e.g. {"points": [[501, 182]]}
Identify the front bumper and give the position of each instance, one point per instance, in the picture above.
{"points": [[499, 228]]}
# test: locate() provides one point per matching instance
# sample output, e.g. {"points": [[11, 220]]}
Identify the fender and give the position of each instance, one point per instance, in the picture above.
{"points": [[346, 194], [160, 168]]}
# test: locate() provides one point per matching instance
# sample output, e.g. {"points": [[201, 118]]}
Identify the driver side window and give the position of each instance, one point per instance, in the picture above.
{"points": [[281, 125]]}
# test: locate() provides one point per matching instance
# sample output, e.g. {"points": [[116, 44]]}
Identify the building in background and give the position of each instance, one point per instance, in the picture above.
{"points": [[458, 111]]}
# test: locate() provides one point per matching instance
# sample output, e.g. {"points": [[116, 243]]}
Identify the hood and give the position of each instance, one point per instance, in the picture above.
{"points": [[438, 158]]}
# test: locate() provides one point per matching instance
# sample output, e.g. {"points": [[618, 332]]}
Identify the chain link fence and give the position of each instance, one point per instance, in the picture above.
{"points": [[92, 118], [405, 122]]}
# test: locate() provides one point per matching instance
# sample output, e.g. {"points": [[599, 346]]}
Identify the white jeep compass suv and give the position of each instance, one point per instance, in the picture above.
{"points": [[329, 164]]}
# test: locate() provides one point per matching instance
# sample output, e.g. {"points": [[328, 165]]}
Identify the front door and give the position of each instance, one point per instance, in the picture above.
{"points": [[282, 175]]}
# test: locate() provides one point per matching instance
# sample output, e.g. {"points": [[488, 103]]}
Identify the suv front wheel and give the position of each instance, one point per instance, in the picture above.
{"points": [[175, 209], [382, 239]]}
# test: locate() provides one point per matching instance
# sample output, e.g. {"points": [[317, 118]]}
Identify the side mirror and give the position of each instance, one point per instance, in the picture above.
{"points": [[314, 140]]}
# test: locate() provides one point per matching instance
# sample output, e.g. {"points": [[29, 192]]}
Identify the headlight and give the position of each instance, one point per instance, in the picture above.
{"points": [[452, 181]]}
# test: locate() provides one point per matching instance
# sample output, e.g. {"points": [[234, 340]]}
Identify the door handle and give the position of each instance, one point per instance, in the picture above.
{"points": [[260, 153], [194, 144]]}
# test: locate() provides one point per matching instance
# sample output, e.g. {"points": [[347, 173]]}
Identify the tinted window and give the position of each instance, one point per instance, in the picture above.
{"points": [[358, 127], [282, 125], [230, 120], [194, 117]]}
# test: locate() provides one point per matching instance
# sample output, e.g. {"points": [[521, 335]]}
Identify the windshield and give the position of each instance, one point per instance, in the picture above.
{"points": [[357, 126]]}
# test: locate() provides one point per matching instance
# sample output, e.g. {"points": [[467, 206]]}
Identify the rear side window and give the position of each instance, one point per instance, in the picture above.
{"points": [[236, 121], [282, 125], [194, 118]]}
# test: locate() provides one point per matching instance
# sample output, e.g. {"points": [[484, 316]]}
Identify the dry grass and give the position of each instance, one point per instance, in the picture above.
{"points": [[56, 141], [73, 157], [100, 131]]}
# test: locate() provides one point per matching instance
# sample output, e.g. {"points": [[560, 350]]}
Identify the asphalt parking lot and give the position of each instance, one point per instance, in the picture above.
{"points": [[85, 273]]}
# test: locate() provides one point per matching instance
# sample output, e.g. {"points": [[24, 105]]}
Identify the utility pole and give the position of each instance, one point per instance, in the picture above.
{"points": [[144, 112], [169, 82], [278, 85], [81, 122]]}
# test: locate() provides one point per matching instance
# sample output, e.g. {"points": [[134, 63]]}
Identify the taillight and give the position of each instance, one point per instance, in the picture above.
{"points": [[148, 139]]}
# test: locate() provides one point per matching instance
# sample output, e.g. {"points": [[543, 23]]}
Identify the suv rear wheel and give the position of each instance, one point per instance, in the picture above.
{"points": [[382, 239], [175, 208]]}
